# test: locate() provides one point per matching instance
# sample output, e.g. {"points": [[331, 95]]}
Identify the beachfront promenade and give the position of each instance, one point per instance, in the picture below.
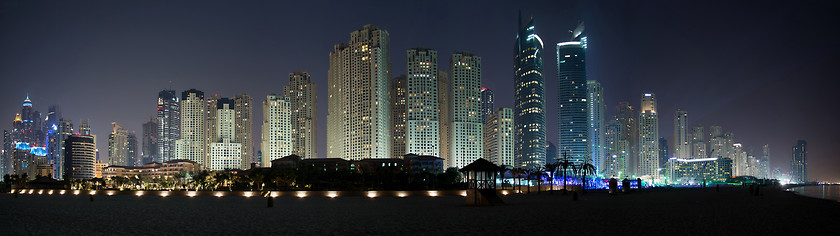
{"points": [[689, 211]]}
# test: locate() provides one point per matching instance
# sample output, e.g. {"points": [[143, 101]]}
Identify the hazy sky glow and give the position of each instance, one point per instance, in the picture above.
{"points": [[765, 71]]}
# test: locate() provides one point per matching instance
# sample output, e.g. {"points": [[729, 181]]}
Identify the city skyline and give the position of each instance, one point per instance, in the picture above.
{"points": [[732, 108]]}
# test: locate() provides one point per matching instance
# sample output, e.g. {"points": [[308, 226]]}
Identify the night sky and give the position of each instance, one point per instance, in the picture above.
{"points": [[765, 71]]}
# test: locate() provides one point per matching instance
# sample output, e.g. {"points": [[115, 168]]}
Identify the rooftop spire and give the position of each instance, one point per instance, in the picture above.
{"points": [[27, 102]]}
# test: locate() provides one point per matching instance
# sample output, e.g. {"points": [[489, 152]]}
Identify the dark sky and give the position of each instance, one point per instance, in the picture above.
{"points": [[763, 70]]}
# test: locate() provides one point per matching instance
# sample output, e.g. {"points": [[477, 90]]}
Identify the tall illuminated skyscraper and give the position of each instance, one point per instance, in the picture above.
{"points": [[799, 162], [573, 110], [303, 99], [764, 166], [443, 113], [358, 116], [131, 149], [698, 143], [682, 136], [399, 90], [276, 129], [79, 156], [629, 132], [466, 129], [192, 145], [422, 120], [169, 124], [84, 128], [149, 151], [487, 104], [498, 137], [118, 146], [618, 150], [597, 107], [212, 116], [529, 97], [242, 104], [648, 137], [225, 153]]}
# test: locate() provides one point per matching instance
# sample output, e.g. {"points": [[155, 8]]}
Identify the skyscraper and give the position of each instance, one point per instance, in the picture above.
{"points": [[422, 120], [79, 156], [596, 107], [191, 146], [225, 153], [765, 162], [358, 117], [682, 139], [276, 129], [498, 137], [648, 137], [443, 113], [466, 129], [529, 97], [487, 104], [399, 89], [244, 134], [131, 149], [799, 162], [616, 157], [210, 130], [53, 137], [5, 154], [169, 124], [572, 93], [698, 143], [629, 132], [664, 153], [303, 99], [118, 146], [150, 142], [84, 128], [65, 129]]}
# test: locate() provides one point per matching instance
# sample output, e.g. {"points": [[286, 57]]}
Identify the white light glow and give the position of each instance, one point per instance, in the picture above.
{"points": [[332, 194], [433, 193], [50, 193], [568, 43], [76, 192], [219, 194], [402, 194], [464, 193], [191, 194], [371, 194], [504, 192], [248, 194], [301, 194], [139, 193]]}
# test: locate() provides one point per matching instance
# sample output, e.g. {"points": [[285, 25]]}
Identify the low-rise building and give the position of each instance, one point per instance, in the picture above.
{"points": [[153, 170]]}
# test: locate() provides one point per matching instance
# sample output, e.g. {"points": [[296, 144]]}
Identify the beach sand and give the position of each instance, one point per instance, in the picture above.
{"points": [[691, 211]]}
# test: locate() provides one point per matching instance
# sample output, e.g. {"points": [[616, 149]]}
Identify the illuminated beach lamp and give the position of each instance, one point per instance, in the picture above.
{"points": [[219, 194], [433, 193], [481, 183], [402, 194], [371, 194], [332, 194]]}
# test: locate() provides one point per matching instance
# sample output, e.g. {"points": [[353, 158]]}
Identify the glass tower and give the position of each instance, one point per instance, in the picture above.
{"points": [[529, 91], [573, 123]]}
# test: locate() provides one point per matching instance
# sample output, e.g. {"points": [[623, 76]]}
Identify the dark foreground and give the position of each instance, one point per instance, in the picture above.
{"points": [[650, 212]]}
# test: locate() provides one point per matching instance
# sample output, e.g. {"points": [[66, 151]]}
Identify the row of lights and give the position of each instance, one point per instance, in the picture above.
{"points": [[299, 194]]}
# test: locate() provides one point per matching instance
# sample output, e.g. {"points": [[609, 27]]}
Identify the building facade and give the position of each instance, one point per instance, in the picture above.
{"points": [[573, 110], [648, 137], [422, 120], [225, 152], [192, 145], [596, 108], [498, 137], [682, 139], [244, 134], [529, 97], [487, 104], [79, 157], [276, 129], [799, 162], [399, 89], [169, 124], [358, 117], [118, 146], [303, 99], [466, 129], [150, 142]]}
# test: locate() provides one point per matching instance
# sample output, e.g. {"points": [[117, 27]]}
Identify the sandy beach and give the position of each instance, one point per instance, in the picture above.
{"points": [[649, 212]]}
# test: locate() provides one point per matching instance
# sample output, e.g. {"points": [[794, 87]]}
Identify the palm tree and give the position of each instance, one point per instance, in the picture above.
{"points": [[585, 167], [551, 168], [502, 173], [517, 176], [565, 164]]}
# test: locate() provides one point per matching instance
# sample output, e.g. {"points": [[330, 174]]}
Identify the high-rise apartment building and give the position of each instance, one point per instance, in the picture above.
{"points": [[487, 104], [84, 128], [149, 151], [276, 129], [192, 145], [596, 108], [64, 130], [682, 139], [422, 120], [225, 153], [799, 162], [698, 143], [443, 113], [399, 90], [573, 110], [466, 129], [764, 163], [244, 123], [529, 97], [498, 137], [169, 124], [618, 150], [210, 125], [118, 146], [358, 117], [648, 137], [303, 99], [626, 116], [131, 149], [79, 157]]}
